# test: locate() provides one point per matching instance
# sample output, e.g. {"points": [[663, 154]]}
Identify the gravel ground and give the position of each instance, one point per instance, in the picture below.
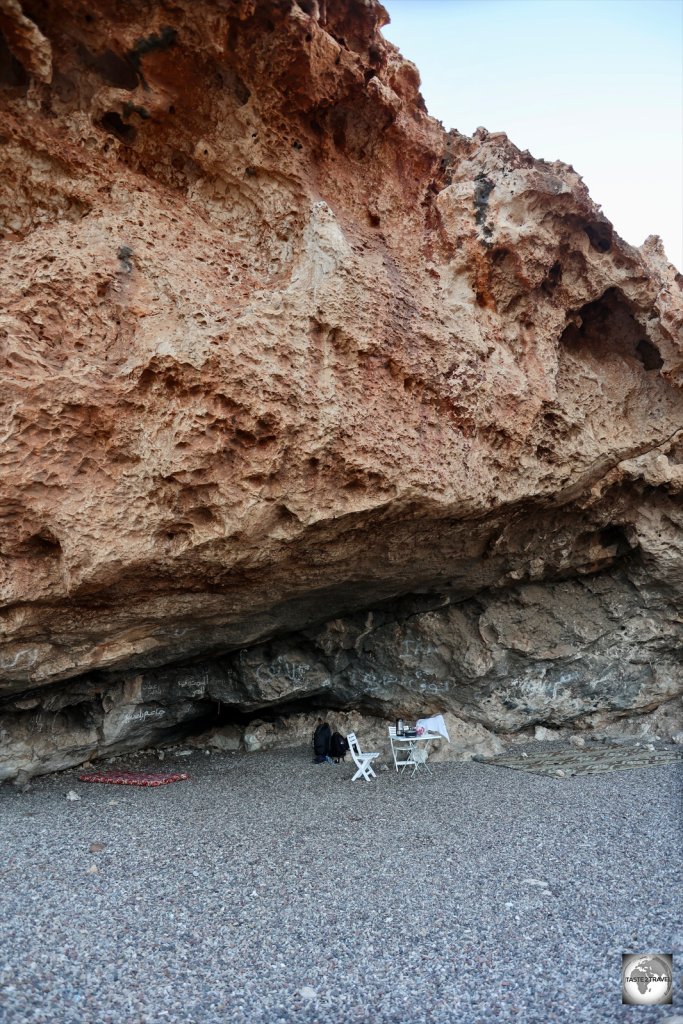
{"points": [[267, 888]]}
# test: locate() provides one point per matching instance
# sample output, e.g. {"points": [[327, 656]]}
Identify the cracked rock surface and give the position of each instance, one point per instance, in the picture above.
{"points": [[306, 401]]}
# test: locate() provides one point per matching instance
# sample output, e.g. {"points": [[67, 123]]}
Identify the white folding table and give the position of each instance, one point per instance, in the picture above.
{"points": [[413, 747]]}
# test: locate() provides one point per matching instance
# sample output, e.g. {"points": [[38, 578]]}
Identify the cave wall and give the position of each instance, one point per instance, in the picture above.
{"points": [[597, 652], [281, 359]]}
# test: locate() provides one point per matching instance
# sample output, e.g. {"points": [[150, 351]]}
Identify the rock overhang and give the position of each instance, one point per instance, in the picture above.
{"points": [[279, 349]]}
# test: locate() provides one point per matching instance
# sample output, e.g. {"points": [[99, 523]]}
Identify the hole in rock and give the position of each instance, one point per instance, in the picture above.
{"points": [[649, 355], [201, 516], [613, 540], [608, 325], [176, 534], [599, 236], [12, 73], [42, 545], [113, 123], [552, 279], [615, 536]]}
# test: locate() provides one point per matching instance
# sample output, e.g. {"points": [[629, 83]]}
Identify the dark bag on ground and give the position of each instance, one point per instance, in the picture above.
{"points": [[339, 745], [321, 740]]}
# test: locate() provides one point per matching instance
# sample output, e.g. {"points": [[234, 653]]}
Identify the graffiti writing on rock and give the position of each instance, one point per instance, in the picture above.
{"points": [[294, 672], [143, 714]]}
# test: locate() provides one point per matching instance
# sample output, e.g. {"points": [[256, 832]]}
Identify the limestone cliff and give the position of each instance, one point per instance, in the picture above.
{"points": [[293, 377]]}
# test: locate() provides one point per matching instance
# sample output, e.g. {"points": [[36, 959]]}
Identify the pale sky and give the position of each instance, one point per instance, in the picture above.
{"points": [[595, 83]]}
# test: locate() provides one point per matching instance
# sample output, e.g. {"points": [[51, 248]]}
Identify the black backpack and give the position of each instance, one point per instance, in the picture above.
{"points": [[321, 740], [338, 745]]}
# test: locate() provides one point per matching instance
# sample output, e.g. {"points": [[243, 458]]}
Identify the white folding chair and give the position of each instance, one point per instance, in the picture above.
{"points": [[362, 761]]}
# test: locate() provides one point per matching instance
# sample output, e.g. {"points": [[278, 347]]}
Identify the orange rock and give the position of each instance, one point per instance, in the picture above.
{"points": [[276, 346]]}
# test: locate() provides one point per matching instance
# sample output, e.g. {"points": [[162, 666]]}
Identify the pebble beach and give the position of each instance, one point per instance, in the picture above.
{"points": [[269, 889]]}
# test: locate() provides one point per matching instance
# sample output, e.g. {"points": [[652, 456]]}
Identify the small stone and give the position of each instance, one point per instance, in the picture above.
{"points": [[97, 847], [546, 735], [560, 772], [308, 993], [72, 796], [92, 870], [160, 755], [185, 753], [577, 741], [535, 881], [112, 803]]}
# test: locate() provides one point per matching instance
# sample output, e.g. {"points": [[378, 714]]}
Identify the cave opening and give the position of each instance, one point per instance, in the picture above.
{"points": [[608, 326], [614, 536], [42, 545], [600, 235], [113, 124], [12, 73]]}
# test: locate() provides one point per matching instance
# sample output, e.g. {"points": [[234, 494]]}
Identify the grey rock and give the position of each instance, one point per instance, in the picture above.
{"points": [[599, 652]]}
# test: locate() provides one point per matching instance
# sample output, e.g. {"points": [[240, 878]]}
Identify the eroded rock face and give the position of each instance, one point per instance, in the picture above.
{"points": [[278, 351]]}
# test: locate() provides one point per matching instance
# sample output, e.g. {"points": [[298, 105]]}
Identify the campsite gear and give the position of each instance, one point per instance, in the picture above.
{"points": [[434, 724], [362, 761], [321, 742], [134, 778], [411, 751], [338, 746]]}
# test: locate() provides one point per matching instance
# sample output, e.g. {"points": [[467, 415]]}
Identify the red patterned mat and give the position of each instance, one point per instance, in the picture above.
{"points": [[134, 778]]}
